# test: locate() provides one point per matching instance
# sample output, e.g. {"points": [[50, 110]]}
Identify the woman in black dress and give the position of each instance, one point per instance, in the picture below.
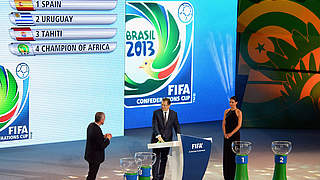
{"points": [[231, 124]]}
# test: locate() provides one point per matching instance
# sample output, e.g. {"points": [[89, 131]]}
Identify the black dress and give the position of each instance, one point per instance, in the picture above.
{"points": [[229, 165]]}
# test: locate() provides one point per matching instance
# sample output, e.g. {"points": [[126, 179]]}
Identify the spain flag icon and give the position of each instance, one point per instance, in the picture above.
{"points": [[22, 5]]}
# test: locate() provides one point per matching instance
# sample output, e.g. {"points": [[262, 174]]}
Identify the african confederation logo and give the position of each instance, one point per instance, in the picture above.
{"points": [[23, 49], [158, 51], [14, 103]]}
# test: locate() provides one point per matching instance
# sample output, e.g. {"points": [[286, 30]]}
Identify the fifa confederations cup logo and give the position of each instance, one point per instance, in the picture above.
{"points": [[12, 100], [157, 41], [9, 96]]}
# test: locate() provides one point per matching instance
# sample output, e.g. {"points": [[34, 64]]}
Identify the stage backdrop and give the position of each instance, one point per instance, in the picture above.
{"points": [[184, 50], [279, 63], [60, 62]]}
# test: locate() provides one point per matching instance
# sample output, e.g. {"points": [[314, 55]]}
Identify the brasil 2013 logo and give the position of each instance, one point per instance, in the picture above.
{"points": [[14, 102], [158, 45]]}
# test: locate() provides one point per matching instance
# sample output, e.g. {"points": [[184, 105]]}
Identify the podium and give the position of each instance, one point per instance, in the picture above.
{"points": [[190, 156]]}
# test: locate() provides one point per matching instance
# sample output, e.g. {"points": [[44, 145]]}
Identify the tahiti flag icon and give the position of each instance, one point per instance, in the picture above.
{"points": [[21, 34], [22, 5], [21, 19]]}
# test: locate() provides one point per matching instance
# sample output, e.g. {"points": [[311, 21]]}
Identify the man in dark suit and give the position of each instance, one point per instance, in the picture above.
{"points": [[96, 143], [163, 121]]}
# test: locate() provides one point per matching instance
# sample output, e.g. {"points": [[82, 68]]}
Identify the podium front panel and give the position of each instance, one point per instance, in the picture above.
{"points": [[196, 154]]}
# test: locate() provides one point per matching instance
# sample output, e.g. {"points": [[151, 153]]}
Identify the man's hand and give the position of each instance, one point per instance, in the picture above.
{"points": [[160, 139], [108, 135]]}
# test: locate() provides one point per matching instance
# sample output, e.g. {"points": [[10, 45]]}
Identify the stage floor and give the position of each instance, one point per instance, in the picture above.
{"points": [[65, 160]]}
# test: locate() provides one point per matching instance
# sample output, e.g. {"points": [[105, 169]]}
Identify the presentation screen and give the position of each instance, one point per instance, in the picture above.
{"points": [[61, 62], [64, 60], [183, 50]]}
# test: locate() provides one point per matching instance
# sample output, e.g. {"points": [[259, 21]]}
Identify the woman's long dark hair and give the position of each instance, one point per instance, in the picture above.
{"points": [[234, 98]]}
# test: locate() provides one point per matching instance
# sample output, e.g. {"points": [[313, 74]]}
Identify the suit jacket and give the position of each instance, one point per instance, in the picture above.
{"points": [[165, 130], [96, 143]]}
